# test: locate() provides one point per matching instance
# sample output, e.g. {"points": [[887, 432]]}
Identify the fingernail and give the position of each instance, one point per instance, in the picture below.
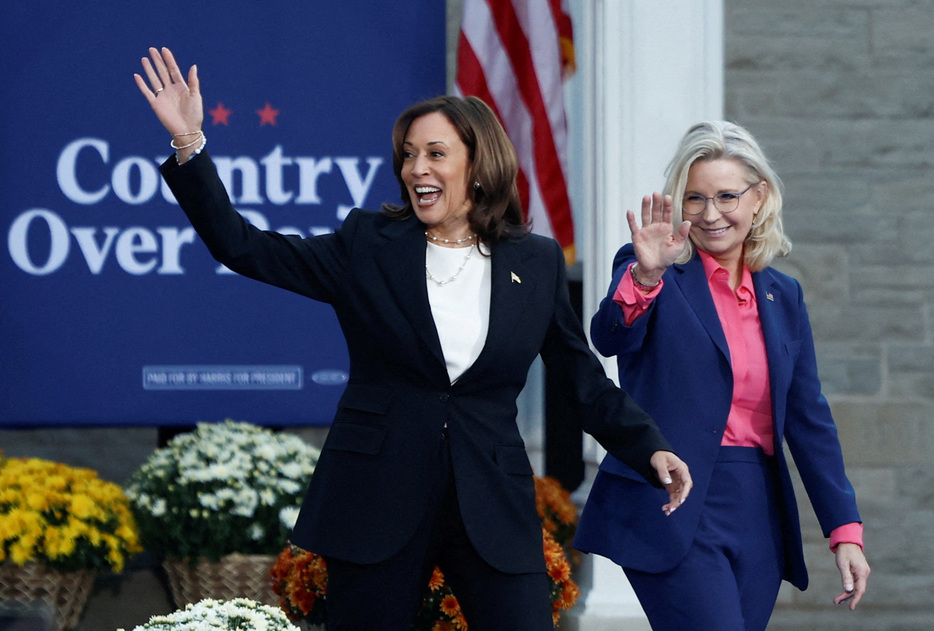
{"points": [[667, 480]]}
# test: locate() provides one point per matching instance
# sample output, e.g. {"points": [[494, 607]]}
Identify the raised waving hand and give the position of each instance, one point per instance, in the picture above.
{"points": [[175, 101], [657, 244]]}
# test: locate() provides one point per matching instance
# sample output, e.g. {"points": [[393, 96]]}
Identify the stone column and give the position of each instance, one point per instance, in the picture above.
{"points": [[646, 71]]}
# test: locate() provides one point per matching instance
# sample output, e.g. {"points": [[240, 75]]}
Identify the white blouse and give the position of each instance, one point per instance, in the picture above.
{"points": [[459, 281]]}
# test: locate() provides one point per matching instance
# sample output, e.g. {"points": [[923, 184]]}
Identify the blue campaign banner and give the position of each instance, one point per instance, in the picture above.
{"points": [[113, 312]]}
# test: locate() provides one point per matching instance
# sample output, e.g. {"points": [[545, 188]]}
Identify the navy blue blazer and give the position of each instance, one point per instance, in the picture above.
{"points": [[675, 363], [369, 490]]}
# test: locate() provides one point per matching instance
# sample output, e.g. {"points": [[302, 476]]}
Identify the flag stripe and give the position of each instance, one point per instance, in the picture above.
{"points": [[549, 174], [513, 54], [469, 73], [494, 71]]}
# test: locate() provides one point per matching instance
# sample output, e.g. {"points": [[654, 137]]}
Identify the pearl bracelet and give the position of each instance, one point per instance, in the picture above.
{"points": [[204, 141]]}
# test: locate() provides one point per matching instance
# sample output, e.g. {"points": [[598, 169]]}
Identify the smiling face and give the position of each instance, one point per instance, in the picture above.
{"points": [[436, 170], [719, 234]]}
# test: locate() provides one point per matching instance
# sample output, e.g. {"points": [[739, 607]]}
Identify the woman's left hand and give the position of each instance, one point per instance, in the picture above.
{"points": [[674, 474], [175, 101], [854, 571]]}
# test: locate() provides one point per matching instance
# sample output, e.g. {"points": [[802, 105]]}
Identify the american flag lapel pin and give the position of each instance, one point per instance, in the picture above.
{"points": [[515, 277]]}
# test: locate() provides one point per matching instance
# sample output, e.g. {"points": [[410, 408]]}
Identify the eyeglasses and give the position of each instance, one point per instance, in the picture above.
{"points": [[724, 202]]}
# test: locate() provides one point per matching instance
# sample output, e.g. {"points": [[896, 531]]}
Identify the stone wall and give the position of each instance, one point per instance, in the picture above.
{"points": [[840, 93]]}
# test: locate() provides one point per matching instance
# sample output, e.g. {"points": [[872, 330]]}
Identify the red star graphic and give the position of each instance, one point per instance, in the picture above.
{"points": [[220, 114], [267, 115]]}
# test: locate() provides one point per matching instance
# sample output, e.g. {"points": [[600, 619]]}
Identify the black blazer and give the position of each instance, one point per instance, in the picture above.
{"points": [[369, 490]]}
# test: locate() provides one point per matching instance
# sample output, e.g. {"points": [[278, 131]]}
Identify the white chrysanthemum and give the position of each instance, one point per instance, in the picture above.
{"points": [[268, 497], [291, 487], [257, 532], [291, 470], [158, 507], [246, 502], [288, 515], [215, 615], [221, 476], [209, 500]]}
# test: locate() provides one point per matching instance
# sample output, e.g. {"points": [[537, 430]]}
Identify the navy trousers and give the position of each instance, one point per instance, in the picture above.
{"points": [[386, 596], [729, 579]]}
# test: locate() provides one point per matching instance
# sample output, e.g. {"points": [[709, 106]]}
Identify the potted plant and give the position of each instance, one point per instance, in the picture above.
{"points": [[300, 577], [211, 504], [239, 614], [59, 526]]}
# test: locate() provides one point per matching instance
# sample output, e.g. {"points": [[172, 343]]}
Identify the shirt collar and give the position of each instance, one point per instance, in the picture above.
{"points": [[711, 266]]}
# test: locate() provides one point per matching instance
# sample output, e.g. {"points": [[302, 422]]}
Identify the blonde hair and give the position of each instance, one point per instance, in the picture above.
{"points": [[717, 140]]}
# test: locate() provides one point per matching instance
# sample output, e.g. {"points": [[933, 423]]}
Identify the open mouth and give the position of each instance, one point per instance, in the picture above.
{"points": [[427, 195]]}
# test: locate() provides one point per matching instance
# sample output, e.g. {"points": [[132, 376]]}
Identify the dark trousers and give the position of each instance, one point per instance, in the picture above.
{"points": [[730, 578], [386, 596]]}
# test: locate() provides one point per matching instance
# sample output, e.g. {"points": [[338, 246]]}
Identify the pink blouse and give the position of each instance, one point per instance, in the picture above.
{"points": [[749, 423]]}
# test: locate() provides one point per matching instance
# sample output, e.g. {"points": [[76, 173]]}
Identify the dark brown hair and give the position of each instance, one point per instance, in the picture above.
{"points": [[497, 211]]}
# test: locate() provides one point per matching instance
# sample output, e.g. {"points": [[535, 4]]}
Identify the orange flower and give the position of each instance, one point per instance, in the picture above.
{"points": [[300, 577], [450, 606], [436, 581], [569, 595], [559, 572]]}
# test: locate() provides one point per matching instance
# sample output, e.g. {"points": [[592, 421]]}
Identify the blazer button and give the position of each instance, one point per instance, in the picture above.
{"points": [[444, 396]]}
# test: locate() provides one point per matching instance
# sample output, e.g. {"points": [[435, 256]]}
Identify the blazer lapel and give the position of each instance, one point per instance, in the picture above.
{"points": [[692, 280], [513, 282], [401, 260], [768, 299]]}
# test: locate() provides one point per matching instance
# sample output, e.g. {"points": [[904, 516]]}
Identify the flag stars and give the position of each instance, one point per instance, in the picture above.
{"points": [[267, 115], [220, 114]]}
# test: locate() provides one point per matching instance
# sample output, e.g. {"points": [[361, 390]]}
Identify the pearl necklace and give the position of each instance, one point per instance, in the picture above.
{"points": [[447, 241], [442, 283]]}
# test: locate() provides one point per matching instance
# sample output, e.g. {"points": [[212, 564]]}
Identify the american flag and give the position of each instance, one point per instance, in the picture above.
{"points": [[515, 55]]}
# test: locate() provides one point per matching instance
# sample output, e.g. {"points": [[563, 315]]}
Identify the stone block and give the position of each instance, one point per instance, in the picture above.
{"points": [[902, 32], [782, 38], [876, 487], [822, 270], [862, 323], [882, 433]]}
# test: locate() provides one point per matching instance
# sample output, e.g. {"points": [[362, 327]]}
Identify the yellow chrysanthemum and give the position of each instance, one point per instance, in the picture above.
{"points": [[37, 501], [48, 508], [82, 507], [20, 552]]}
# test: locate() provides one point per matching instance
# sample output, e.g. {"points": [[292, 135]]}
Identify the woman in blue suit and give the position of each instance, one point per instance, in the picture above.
{"points": [[716, 346], [444, 302]]}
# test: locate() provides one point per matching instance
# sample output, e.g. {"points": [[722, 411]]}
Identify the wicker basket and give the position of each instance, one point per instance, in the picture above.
{"points": [[233, 576], [64, 593]]}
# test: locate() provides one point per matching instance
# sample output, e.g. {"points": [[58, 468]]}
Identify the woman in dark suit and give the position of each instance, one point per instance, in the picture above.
{"points": [[717, 347], [444, 302]]}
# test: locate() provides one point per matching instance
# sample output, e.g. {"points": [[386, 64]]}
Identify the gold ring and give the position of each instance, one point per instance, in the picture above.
{"points": [[160, 90]]}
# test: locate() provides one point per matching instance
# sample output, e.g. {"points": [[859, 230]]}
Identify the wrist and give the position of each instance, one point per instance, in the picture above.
{"points": [[191, 148], [645, 282]]}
